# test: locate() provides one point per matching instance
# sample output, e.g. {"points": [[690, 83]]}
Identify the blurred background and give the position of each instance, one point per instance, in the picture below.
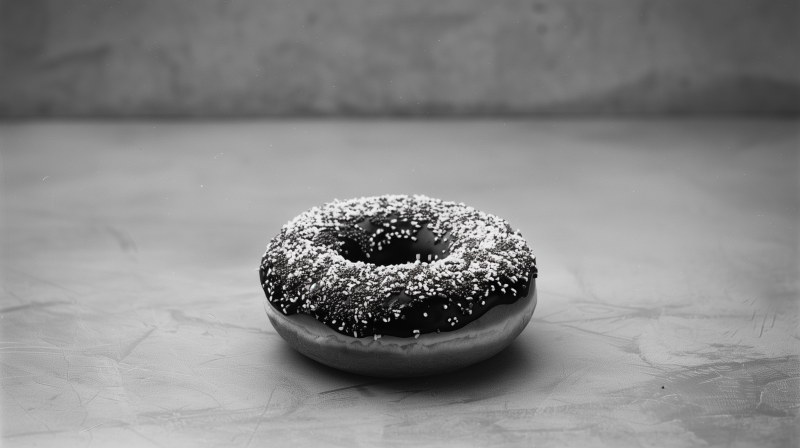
{"points": [[221, 58]]}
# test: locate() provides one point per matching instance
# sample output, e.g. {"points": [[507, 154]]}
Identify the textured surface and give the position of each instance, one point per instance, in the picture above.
{"points": [[352, 57], [668, 287]]}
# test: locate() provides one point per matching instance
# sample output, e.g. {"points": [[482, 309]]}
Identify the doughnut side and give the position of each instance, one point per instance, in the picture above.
{"points": [[394, 357]]}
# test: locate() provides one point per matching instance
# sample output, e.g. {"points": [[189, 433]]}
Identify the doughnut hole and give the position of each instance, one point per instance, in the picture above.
{"points": [[400, 243]]}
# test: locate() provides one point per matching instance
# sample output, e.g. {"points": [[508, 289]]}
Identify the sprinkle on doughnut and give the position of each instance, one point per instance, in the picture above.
{"points": [[391, 265]]}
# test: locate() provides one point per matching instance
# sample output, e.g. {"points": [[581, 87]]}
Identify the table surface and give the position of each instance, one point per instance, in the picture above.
{"points": [[668, 286]]}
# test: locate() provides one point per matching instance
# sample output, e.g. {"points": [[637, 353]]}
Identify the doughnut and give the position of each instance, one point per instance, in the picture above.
{"points": [[398, 286]]}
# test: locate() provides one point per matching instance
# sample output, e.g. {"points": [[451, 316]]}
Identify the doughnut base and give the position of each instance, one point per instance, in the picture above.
{"points": [[393, 357]]}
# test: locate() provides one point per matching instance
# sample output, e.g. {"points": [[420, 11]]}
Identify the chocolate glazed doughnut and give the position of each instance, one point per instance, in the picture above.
{"points": [[398, 286]]}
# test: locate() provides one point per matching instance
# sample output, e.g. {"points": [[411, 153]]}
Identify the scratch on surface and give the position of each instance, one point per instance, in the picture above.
{"points": [[12, 309], [89, 429], [29, 414], [762, 325], [261, 417], [595, 332], [180, 316], [44, 384], [68, 376], [95, 395], [542, 318], [712, 379], [123, 238], [127, 351], [149, 369], [356, 386], [186, 386], [145, 437], [211, 360], [760, 398], [411, 393], [40, 279], [559, 383], [11, 293]]}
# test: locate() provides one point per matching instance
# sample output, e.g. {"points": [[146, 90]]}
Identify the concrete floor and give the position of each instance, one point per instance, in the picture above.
{"points": [[668, 288]]}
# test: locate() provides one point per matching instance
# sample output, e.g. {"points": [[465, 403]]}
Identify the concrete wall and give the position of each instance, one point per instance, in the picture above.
{"points": [[415, 57]]}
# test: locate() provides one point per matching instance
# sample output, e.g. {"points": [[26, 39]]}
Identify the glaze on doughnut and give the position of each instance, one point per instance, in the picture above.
{"points": [[400, 266]]}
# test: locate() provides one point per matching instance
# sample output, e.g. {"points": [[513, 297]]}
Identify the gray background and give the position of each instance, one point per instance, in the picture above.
{"points": [[361, 57]]}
